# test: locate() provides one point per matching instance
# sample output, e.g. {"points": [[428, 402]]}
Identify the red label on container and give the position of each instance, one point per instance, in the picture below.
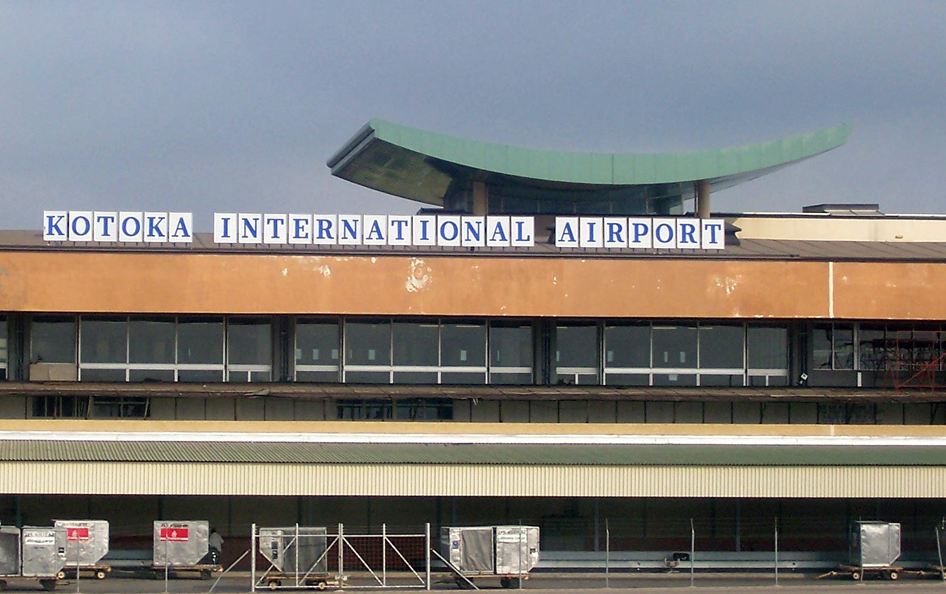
{"points": [[174, 534], [77, 533]]}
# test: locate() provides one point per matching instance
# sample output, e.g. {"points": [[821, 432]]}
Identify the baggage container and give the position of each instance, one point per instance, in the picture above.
{"points": [[509, 552], [85, 543], [875, 544], [295, 550], [180, 543]]}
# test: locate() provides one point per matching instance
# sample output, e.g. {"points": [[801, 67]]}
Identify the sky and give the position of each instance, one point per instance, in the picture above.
{"points": [[235, 106]]}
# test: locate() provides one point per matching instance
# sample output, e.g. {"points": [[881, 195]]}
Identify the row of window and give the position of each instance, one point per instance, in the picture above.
{"points": [[385, 350]]}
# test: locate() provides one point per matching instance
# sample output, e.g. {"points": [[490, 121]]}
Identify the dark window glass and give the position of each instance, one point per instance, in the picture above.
{"points": [[872, 347], [103, 341], [674, 379], [463, 345], [416, 344], [367, 377], [53, 340], [316, 343], [60, 406], [510, 378], [200, 341], [926, 347], [675, 346], [199, 375], [423, 410], [415, 377], [721, 346], [3, 348], [321, 377], [843, 346], [821, 350], [462, 378], [510, 346], [628, 379], [576, 346], [150, 375], [767, 347], [118, 407], [103, 375], [368, 343], [249, 342], [627, 346], [721, 380], [151, 341]]}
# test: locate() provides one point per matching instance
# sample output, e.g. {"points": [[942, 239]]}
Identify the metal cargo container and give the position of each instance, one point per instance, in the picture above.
{"points": [[295, 550], [491, 550], [875, 544], [84, 542], [40, 553], [9, 551], [180, 543]]}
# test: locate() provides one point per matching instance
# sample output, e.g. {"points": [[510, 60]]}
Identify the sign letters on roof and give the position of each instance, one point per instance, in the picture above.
{"points": [[268, 229]]}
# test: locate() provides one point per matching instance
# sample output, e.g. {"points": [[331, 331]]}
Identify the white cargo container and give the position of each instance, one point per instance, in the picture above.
{"points": [[31, 552], [509, 552], [85, 543]]}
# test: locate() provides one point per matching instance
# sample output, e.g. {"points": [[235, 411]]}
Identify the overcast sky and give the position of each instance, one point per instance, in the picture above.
{"points": [[236, 106]]}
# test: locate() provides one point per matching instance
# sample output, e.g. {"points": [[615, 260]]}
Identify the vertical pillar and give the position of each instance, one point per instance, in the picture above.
{"points": [[480, 198], [701, 189]]}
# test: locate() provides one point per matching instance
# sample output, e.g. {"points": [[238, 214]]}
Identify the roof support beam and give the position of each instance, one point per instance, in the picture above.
{"points": [[701, 189]]}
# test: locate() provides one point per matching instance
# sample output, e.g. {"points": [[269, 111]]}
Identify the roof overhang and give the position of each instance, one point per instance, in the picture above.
{"points": [[420, 165]]}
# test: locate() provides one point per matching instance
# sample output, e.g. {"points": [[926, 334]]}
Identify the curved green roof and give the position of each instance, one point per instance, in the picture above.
{"points": [[420, 165]]}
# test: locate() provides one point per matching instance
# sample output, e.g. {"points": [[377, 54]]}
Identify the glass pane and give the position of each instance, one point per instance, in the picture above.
{"points": [[368, 343], [628, 379], [729, 381], [843, 346], [767, 347], [250, 342], [151, 341], [926, 348], [416, 344], [627, 346], [200, 375], [821, 346], [510, 378], [423, 410], [463, 345], [261, 376], [103, 375], [377, 409], [367, 377], [462, 378], [721, 347], [576, 346], [510, 346], [53, 340], [415, 377], [200, 341], [316, 343], [320, 377], [3, 347], [151, 375], [675, 346], [872, 347], [103, 341], [674, 379]]}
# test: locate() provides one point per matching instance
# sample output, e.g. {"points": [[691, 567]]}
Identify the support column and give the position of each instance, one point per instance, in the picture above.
{"points": [[480, 198], [701, 190]]}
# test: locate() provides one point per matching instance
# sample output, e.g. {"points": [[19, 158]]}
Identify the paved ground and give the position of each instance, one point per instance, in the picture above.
{"points": [[539, 584]]}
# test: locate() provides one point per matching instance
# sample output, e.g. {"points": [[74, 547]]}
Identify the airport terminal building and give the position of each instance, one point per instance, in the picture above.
{"points": [[566, 340]]}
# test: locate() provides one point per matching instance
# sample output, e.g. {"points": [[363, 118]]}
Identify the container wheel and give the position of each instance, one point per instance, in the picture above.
{"points": [[893, 575], [855, 575], [100, 575], [61, 575], [321, 585], [274, 584]]}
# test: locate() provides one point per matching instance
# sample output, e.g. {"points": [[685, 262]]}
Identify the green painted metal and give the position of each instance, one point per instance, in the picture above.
{"points": [[477, 454], [417, 164]]}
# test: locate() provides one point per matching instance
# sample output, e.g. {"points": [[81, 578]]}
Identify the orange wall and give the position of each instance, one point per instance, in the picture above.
{"points": [[52, 281]]}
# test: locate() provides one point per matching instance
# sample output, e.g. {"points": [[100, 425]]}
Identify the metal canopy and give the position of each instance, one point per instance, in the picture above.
{"points": [[421, 165]]}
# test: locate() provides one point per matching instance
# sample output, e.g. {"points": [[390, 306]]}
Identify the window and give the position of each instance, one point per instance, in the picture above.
{"points": [[767, 354], [317, 350], [249, 350], [627, 354], [3, 348], [722, 354], [576, 354], [53, 339], [832, 346], [510, 353], [101, 407], [674, 350], [463, 353], [415, 409]]}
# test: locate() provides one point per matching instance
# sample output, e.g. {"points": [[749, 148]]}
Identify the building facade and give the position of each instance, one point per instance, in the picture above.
{"points": [[794, 376]]}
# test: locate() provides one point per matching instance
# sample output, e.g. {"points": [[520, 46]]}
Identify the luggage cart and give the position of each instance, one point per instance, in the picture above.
{"points": [[876, 547], [85, 543], [506, 552], [181, 549], [298, 557], [29, 554]]}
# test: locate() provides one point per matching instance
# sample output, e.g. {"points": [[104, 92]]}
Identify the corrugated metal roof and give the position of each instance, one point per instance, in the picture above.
{"points": [[467, 454]]}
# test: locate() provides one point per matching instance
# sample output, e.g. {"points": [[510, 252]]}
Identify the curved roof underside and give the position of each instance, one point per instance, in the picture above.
{"points": [[420, 165]]}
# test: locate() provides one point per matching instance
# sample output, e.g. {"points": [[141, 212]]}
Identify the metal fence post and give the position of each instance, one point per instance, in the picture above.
{"points": [[77, 560], [384, 554], [427, 549], [607, 554], [692, 550], [776, 550], [939, 553], [165, 563], [341, 551], [253, 557]]}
